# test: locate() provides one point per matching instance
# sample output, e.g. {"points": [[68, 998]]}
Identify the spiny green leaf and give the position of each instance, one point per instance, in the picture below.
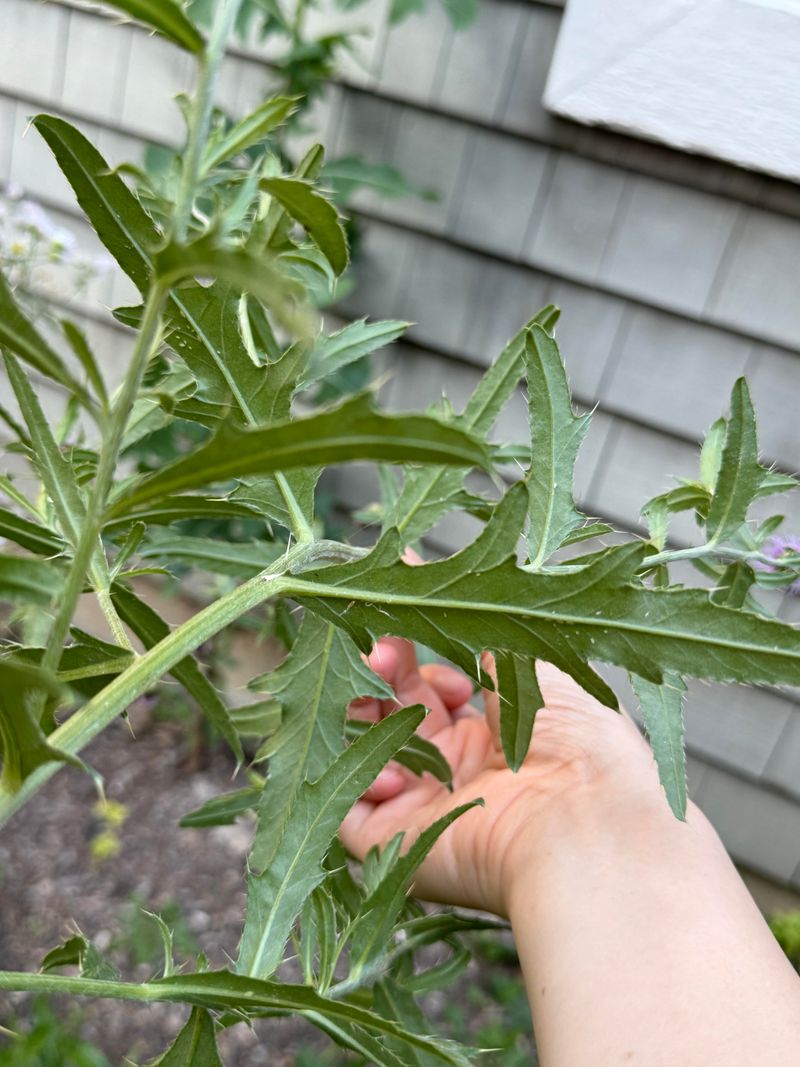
{"points": [[418, 756], [734, 585], [395, 1002], [371, 931], [241, 269], [346, 346], [316, 214], [276, 896], [86, 666], [711, 454], [440, 975], [23, 744], [203, 322], [480, 598], [774, 482], [351, 431], [314, 684], [319, 938], [429, 494], [222, 810], [78, 951], [369, 1049], [18, 335], [251, 129], [740, 473], [662, 708], [238, 559], [556, 436], [172, 509], [166, 17], [348, 174], [31, 535], [586, 533], [83, 353], [58, 477], [122, 224], [150, 628], [29, 581], [259, 719], [165, 933], [195, 1045], [520, 700]]}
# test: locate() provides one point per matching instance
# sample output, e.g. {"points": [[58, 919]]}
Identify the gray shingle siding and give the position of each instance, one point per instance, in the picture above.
{"points": [[676, 274]]}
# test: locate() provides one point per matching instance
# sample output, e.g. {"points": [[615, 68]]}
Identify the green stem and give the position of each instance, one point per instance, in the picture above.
{"points": [[89, 546], [300, 526], [114, 622], [21, 982], [144, 672], [210, 62], [713, 550]]}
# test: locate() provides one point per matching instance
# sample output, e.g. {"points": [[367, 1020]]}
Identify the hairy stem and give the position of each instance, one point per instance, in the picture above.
{"points": [[699, 551], [21, 982], [300, 526], [114, 622], [88, 547], [210, 62]]}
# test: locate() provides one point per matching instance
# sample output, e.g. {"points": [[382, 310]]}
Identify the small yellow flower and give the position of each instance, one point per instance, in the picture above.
{"points": [[105, 846], [111, 812]]}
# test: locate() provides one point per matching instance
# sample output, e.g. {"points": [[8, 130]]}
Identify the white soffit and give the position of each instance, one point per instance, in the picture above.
{"points": [[721, 77]]}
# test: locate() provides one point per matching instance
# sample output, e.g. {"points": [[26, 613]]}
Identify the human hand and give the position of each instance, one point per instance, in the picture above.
{"points": [[582, 754]]}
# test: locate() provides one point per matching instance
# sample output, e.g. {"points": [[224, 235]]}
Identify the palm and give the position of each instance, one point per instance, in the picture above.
{"points": [[465, 868]]}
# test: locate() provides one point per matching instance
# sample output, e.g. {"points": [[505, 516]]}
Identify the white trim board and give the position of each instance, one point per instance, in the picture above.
{"points": [[718, 77]]}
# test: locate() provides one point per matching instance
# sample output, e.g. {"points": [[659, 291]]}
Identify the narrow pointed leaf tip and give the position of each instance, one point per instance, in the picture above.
{"points": [[740, 473], [252, 129], [430, 493], [556, 436], [164, 16], [195, 1045], [315, 214], [662, 710]]}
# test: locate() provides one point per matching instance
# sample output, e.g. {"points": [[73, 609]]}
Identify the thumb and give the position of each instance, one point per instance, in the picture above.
{"points": [[491, 700]]}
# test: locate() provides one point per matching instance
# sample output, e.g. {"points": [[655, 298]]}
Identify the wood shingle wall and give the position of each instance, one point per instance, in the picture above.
{"points": [[676, 274]]}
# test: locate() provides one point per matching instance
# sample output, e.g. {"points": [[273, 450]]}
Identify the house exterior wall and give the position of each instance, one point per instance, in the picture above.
{"points": [[676, 274]]}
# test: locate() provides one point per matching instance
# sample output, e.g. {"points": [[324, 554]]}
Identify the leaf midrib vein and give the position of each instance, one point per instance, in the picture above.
{"points": [[299, 588]]}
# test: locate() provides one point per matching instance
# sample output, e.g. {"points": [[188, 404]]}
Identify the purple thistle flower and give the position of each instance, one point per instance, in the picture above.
{"points": [[777, 547]]}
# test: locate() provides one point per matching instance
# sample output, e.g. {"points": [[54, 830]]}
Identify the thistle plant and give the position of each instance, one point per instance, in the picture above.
{"points": [[227, 340]]}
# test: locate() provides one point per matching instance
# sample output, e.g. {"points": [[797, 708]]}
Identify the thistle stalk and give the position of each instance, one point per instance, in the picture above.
{"points": [[200, 120]]}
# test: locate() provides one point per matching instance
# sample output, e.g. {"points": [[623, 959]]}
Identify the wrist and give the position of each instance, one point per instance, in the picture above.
{"points": [[588, 821]]}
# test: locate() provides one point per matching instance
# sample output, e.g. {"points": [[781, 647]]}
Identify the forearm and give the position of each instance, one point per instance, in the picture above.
{"points": [[641, 945]]}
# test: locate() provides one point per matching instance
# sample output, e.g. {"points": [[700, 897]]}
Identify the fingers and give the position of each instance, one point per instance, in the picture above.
{"points": [[452, 687], [352, 830], [395, 659], [384, 657], [412, 558], [366, 710], [390, 783]]}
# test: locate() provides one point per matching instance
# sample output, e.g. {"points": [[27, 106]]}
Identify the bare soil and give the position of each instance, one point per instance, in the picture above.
{"points": [[49, 881]]}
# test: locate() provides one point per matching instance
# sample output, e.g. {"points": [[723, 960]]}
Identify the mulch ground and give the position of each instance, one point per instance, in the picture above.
{"points": [[49, 881]]}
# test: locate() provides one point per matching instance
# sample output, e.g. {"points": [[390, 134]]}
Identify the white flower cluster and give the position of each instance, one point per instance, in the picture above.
{"points": [[32, 243]]}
